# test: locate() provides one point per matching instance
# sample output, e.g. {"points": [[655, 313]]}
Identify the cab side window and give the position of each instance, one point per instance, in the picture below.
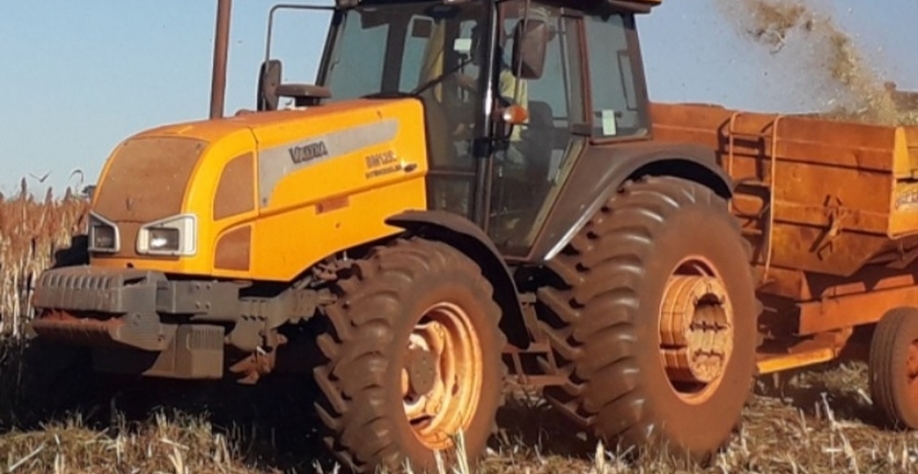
{"points": [[618, 110]]}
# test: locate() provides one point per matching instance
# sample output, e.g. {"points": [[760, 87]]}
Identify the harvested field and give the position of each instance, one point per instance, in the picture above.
{"points": [[62, 418], [821, 422]]}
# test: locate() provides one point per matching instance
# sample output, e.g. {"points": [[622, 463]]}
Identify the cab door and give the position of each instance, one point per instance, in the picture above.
{"points": [[531, 164]]}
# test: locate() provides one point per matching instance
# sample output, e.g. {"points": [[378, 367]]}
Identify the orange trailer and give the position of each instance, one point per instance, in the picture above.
{"points": [[831, 209]]}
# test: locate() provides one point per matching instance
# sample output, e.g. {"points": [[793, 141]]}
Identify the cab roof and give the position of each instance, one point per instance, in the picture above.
{"points": [[637, 6]]}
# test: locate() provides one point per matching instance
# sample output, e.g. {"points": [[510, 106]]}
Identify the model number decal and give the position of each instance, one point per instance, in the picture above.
{"points": [[277, 161], [380, 164]]}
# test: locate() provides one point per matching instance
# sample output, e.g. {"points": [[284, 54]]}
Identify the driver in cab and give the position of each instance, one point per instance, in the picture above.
{"points": [[511, 90]]}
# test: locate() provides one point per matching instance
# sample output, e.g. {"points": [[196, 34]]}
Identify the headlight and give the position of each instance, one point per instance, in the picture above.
{"points": [[176, 236], [165, 240], [103, 235]]}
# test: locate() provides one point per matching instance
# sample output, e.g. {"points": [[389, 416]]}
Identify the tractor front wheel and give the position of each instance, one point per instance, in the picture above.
{"points": [[413, 359]]}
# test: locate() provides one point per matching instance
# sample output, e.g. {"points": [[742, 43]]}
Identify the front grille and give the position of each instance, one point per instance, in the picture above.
{"points": [[86, 288]]}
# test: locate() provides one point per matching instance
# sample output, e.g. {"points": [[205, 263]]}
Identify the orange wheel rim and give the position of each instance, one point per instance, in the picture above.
{"points": [[442, 377], [696, 324]]}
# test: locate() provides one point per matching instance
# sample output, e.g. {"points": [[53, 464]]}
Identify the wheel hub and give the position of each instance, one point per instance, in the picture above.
{"points": [[422, 370], [442, 375], [696, 329]]}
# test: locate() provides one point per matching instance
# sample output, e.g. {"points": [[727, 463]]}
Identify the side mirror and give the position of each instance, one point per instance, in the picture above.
{"points": [[530, 46], [269, 79]]}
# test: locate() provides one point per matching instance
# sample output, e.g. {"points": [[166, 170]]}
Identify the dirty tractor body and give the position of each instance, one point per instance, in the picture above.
{"points": [[469, 199]]}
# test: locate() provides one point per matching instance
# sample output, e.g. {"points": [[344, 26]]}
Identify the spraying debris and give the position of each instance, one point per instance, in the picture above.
{"points": [[821, 50]]}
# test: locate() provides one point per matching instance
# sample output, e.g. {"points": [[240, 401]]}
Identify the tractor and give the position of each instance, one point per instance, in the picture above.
{"points": [[468, 200]]}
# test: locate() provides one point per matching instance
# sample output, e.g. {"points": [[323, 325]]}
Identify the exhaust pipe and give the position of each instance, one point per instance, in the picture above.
{"points": [[221, 46]]}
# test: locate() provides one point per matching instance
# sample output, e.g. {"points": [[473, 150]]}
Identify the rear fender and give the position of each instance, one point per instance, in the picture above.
{"points": [[602, 170]]}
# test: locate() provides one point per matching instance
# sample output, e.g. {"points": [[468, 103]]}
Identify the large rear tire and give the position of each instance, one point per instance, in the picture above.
{"points": [[414, 357], [655, 316]]}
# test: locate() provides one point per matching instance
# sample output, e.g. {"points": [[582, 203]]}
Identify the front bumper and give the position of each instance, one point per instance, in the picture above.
{"points": [[137, 321], [101, 307]]}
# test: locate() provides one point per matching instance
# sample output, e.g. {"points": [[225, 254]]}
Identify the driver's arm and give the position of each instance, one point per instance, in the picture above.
{"points": [[511, 91]]}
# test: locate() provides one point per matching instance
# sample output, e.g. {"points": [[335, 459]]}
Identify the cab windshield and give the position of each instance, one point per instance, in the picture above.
{"points": [[407, 48], [427, 50]]}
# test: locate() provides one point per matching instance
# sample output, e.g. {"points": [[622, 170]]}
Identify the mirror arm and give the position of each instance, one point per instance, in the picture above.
{"points": [[519, 65]]}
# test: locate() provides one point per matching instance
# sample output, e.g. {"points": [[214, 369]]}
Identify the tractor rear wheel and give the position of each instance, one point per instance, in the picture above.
{"points": [[655, 320], [893, 367], [413, 358]]}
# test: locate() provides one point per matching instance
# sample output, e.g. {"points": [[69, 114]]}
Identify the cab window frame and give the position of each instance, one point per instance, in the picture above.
{"points": [[638, 77]]}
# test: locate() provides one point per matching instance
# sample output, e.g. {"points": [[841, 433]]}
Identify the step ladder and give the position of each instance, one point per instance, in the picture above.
{"points": [[766, 185]]}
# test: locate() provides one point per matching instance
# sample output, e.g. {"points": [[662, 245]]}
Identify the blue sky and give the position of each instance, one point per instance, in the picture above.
{"points": [[78, 77]]}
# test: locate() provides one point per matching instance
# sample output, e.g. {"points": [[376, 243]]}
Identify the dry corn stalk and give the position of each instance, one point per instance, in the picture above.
{"points": [[30, 232]]}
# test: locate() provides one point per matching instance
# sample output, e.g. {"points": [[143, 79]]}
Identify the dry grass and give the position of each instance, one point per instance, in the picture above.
{"points": [[819, 422], [30, 232], [174, 445]]}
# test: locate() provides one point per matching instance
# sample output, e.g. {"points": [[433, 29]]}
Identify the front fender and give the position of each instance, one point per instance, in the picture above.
{"points": [[468, 238], [602, 170]]}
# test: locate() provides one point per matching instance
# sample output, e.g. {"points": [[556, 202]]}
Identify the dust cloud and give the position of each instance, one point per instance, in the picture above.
{"points": [[820, 51]]}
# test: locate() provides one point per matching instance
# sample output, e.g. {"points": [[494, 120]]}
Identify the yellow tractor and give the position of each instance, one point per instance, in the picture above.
{"points": [[469, 199]]}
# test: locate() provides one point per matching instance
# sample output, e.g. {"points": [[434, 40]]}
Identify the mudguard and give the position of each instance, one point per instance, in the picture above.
{"points": [[602, 170]]}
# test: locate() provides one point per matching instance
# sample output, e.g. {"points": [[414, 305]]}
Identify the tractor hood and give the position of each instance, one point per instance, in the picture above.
{"points": [[216, 170]]}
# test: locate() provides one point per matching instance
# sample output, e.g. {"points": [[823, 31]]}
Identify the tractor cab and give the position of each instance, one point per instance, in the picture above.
{"points": [[507, 90]]}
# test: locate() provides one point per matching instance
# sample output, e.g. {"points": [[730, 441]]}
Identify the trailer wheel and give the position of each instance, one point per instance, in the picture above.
{"points": [[655, 321], [413, 358], [893, 367]]}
